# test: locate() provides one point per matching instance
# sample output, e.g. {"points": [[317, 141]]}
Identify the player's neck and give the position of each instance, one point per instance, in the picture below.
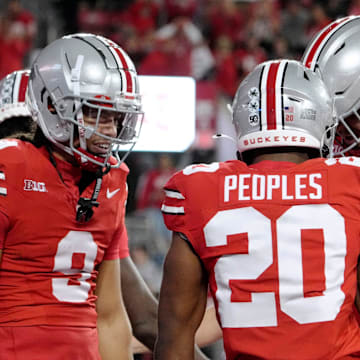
{"points": [[294, 157], [62, 155]]}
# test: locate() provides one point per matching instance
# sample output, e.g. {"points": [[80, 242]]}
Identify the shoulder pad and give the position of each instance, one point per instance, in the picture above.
{"points": [[12, 151]]}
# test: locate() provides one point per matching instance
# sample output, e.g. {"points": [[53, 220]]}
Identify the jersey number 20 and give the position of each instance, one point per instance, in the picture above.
{"points": [[262, 309]]}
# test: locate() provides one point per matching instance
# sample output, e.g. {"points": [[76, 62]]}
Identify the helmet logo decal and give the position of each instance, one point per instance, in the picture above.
{"points": [[14, 87], [253, 106], [289, 113], [308, 114], [254, 93], [6, 91], [253, 119]]}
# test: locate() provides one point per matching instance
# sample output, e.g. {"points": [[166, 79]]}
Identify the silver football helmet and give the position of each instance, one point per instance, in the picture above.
{"points": [[81, 74], [334, 53], [283, 104], [12, 95]]}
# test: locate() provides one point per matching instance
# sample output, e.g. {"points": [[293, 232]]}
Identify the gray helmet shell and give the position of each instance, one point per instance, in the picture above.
{"points": [[281, 103], [12, 95], [334, 53], [82, 69]]}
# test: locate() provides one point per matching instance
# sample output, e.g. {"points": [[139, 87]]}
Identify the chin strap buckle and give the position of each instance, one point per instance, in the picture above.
{"points": [[84, 209]]}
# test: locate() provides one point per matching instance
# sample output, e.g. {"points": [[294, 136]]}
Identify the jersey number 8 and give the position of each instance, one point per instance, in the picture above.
{"points": [[82, 244]]}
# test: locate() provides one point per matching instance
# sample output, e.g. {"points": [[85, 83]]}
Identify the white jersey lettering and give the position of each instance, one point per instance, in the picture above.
{"points": [[248, 187]]}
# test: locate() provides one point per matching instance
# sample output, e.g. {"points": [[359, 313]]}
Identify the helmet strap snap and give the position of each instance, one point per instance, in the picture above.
{"points": [[84, 208]]}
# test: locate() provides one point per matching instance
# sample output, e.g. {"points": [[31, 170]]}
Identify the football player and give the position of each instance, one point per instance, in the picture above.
{"points": [[275, 235], [62, 205], [141, 305], [334, 54], [15, 117]]}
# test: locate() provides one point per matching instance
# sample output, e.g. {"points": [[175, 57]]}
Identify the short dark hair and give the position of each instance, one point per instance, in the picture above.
{"points": [[20, 127], [39, 138]]}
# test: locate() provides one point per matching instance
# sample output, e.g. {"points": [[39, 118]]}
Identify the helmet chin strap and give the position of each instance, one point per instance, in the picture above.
{"points": [[327, 147], [88, 165], [84, 208]]}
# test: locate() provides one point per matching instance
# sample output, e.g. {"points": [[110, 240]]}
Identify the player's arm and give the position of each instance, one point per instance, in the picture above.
{"points": [[142, 307], [182, 302], [113, 325], [209, 330], [140, 304], [138, 347]]}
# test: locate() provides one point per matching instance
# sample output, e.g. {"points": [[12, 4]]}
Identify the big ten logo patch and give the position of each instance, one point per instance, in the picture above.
{"points": [[31, 185]]}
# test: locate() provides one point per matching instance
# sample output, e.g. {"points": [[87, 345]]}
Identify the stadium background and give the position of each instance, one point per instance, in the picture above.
{"points": [[217, 42]]}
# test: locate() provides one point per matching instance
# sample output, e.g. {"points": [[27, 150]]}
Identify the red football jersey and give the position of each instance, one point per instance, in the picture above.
{"points": [[280, 243], [52, 342], [50, 261]]}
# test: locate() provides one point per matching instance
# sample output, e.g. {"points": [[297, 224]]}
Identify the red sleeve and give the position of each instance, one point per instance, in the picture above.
{"points": [[123, 244], [4, 226], [118, 247], [174, 206]]}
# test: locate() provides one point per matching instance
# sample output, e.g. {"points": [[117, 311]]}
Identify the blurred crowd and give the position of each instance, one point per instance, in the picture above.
{"points": [[219, 40], [215, 41], [17, 32]]}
